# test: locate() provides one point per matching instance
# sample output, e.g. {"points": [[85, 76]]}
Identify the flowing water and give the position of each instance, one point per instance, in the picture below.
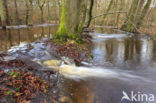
{"points": [[123, 65]]}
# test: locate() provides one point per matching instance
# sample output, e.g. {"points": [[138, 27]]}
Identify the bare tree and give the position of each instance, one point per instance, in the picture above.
{"points": [[48, 6], [2, 16], [5, 4], [143, 13], [29, 12], [129, 24], [16, 13], [108, 9], [41, 4]]}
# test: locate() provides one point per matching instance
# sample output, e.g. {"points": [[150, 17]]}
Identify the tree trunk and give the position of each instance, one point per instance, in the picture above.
{"points": [[41, 4], [108, 9], [71, 20], [5, 3], [49, 16], [90, 13], [118, 15], [55, 6], [129, 24], [143, 14], [29, 12], [42, 19], [16, 13], [2, 16], [139, 8]]}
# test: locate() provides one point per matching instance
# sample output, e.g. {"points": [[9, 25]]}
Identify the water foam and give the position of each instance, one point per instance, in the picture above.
{"points": [[74, 72]]}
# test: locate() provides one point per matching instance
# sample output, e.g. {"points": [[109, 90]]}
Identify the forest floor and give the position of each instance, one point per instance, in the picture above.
{"points": [[24, 81]]}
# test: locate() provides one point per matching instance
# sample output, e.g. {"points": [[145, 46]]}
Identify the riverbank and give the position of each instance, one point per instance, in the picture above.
{"points": [[24, 82], [25, 72], [78, 52]]}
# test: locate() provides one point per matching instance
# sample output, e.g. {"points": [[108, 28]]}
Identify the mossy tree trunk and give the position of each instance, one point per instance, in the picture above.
{"points": [[118, 15], [72, 19], [7, 18], [143, 14], [139, 8], [2, 16], [136, 15], [129, 24]]}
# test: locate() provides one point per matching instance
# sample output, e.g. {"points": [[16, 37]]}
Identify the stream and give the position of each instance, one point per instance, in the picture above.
{"points": [[123, 69], [122, 64]]}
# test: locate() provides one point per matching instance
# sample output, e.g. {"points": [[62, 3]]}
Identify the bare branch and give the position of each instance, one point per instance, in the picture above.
{"points": [[109, 13]]}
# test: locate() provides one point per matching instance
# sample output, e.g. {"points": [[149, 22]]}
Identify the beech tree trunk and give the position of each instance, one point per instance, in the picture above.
{"points": [[108, 9], [16, 13], [143, 14], [2, 16], [136, 15], [7, 19], [72, 19], [29, 12], [129, 24], [41, 4]]}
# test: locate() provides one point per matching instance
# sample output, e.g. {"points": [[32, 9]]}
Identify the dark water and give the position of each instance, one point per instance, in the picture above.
{"points": [[122, 63], [17, 35]]}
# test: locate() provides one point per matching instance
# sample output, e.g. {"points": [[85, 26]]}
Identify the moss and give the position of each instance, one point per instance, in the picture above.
{"points": [[57, 41], [90, 56], [1, 11], [63, 29], [143, 13], [130, 22], [64, 33]]}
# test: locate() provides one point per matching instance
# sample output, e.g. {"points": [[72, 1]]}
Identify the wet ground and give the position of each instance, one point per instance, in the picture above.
{"points": [[123, 64]]}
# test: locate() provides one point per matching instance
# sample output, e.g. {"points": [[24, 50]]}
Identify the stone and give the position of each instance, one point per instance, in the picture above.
{"points": [[65, 99], [52, 63]]}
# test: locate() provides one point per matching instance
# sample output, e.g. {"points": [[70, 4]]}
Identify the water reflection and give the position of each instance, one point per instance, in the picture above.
{"points": [[118, 49], [114, 52], [78, 92], [147, 51], [12, 37]]}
